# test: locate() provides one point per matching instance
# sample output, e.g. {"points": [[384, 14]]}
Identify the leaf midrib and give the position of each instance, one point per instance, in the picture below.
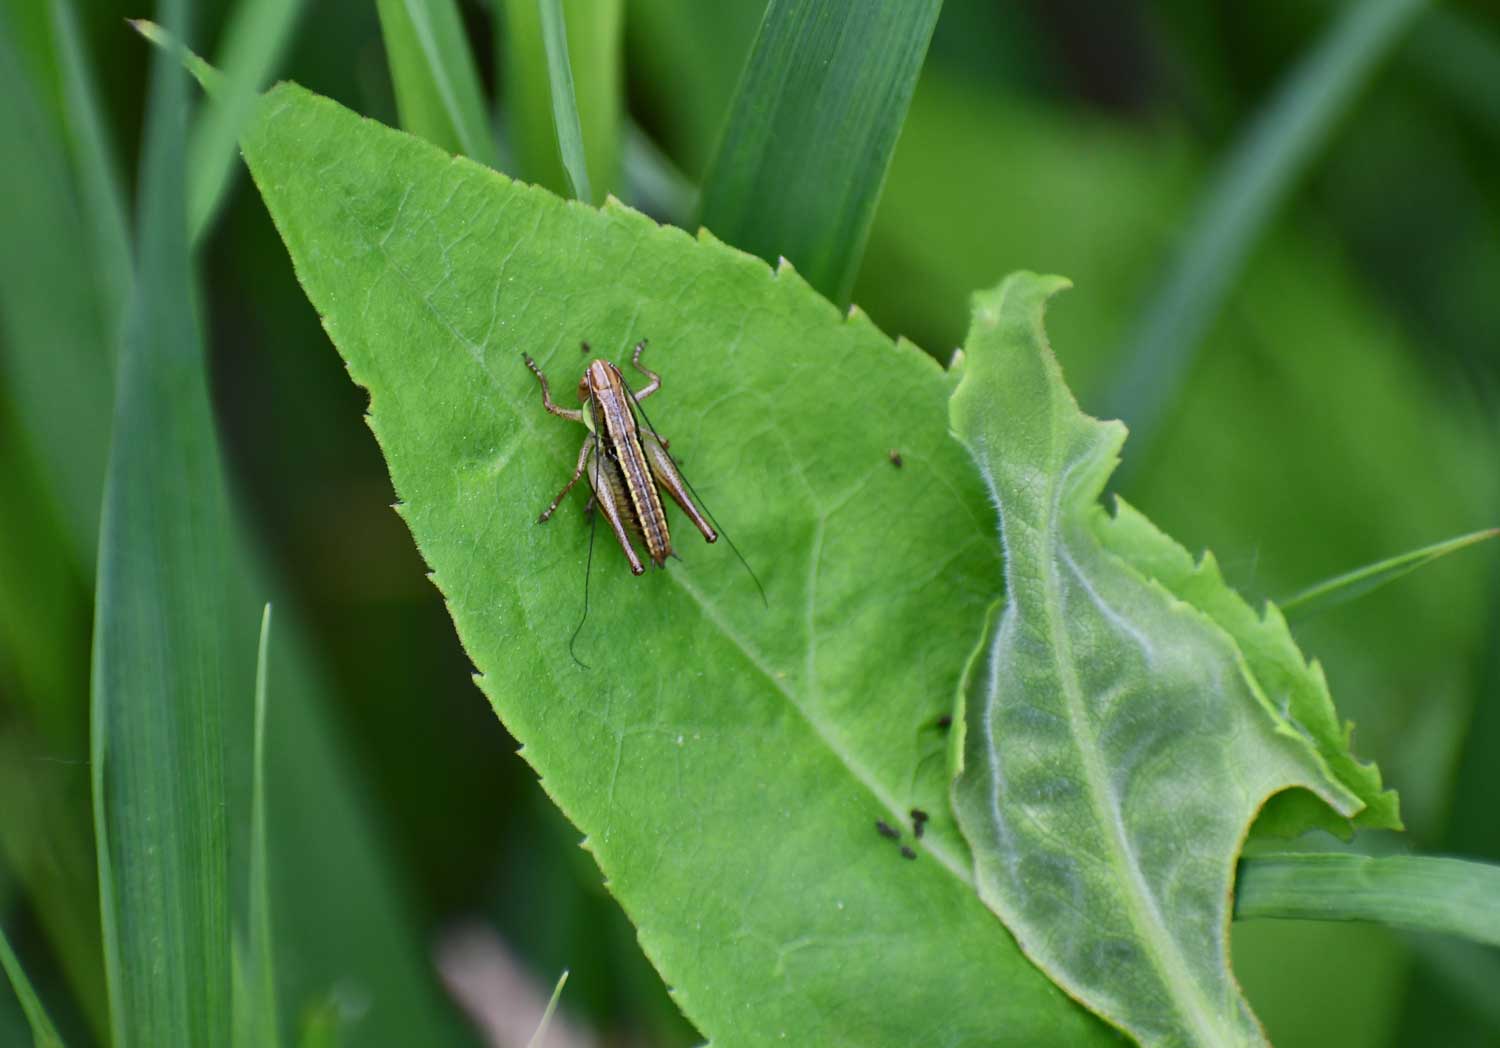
{"points": [[1141, 910], [947, 860]]}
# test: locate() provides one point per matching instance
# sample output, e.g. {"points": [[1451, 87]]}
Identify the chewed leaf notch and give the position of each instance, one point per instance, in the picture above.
{"points": [[1118, 741]]}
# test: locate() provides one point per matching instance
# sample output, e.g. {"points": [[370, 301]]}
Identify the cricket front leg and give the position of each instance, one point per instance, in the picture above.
{"points": [[666, 474], [655, 383], [573, 415], [583, 458], [604, 497]]}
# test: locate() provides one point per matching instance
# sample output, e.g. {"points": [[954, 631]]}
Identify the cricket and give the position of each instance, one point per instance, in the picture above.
{"points": [[628, 467]]}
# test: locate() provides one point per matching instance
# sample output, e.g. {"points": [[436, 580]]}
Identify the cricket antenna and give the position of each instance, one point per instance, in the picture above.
{"points": [[587, 571], [699, 499]]}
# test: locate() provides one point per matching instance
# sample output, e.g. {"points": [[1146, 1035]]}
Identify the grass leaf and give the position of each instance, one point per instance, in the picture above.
{"points": [[1239, 203], [728, 761], [1117, 739], [1351, 584], [564, 102], [546, 1020], [255, 39], [563, 91], [158, 687], [98, 178], [334, 852], [208, 76], [58, 327], [1421, 893], [437, 87], [258, 1016], [804, 152], [43, 1033]]}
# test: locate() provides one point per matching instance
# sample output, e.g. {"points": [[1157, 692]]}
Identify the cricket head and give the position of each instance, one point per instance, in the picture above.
{"points": [[599, 375]]}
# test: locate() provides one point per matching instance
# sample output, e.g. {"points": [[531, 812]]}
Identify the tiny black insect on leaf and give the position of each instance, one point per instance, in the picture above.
{"points": [[895, 458], [885, 829], [907, 853], [918, 821], [945, 722]]}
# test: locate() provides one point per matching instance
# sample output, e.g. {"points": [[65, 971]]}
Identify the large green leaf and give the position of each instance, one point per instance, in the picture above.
{"points": [[728, 761], [1117, 739]]}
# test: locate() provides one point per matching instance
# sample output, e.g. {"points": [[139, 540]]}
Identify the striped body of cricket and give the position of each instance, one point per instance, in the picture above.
{"points": [[627, 467]]}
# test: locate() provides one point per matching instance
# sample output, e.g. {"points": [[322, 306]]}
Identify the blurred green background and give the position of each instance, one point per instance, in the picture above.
{"points": [[1340, 407]]}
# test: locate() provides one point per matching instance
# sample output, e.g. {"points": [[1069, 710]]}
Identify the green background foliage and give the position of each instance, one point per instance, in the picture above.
{"points": [[1337, 409]]}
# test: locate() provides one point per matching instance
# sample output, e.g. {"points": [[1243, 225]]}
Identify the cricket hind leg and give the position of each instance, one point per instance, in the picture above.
{"points": [[605, 498], [667, 475], [583, 460]]}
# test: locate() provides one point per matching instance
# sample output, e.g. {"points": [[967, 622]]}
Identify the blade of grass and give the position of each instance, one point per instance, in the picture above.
{"points": [[1242, 198], [562, 93], [42, 1031], [158, 688], [803, 155], [1351, 584], [1416, 892], [209, 78], [595, 38], [55, 344], [593, 31], [99, 184], [437, 86], [564, 102], [349, 922], [261, 1017], [546, 1021], [58, 324], [254, 41], [526, 99]]}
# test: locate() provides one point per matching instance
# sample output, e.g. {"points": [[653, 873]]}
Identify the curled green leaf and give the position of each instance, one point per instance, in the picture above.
{"points": [[1117, 742]]}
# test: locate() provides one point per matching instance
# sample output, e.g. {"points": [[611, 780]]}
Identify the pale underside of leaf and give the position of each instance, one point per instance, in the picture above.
{"points": [[727, 761], [1116, 745]]}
